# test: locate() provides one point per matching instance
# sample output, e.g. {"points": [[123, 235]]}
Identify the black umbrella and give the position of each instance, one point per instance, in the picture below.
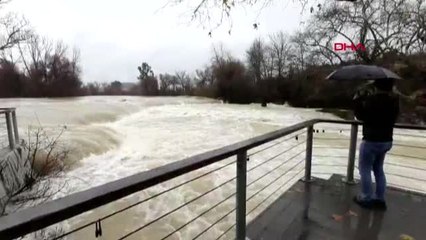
{"points": [[362, 72]]}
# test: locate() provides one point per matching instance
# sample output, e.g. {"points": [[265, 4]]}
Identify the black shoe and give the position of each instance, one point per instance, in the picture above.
{"points": [[379, 204], [368, 204]]}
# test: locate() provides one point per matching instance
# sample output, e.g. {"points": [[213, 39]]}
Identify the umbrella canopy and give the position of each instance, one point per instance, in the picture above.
{"points": [[362, 72]]}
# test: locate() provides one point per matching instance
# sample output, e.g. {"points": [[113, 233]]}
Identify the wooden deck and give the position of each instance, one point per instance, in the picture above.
{"points": [[324, 209]]}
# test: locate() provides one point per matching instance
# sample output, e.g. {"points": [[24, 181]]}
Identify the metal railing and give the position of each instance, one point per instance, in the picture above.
{"points": [[276, 170], [405, 164], [11, 126]]}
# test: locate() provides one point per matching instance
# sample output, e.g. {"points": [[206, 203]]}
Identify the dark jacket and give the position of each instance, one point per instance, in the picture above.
{"points": [[379, 112]]}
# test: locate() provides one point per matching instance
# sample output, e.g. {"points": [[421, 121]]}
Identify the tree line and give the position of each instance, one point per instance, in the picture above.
{"points": [[278, 68], [35, 66], [292, 68]]}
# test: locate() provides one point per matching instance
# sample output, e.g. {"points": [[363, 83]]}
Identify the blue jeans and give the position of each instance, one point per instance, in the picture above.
{"points": [[371, 158]]}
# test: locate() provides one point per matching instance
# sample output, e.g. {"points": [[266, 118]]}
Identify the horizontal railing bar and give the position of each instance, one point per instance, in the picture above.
{"points": [[6, 110], [275, 144], [344, 147], [408, 146], [407, 156], [177, 208], [390, 174], [331, 147], [407, 177], [264, 200], [330, 156], [220, 219], [202, 195], [226, 231], [223, 217], [330, 138], [326, 128], [273, 192], [329, 165], [228, 197], [41, 216], [325, 172], [275, 156], [204, 212], [402, 126], [174, 187], [251, 183], [405, 166], [233, 225], [144, 200], [275, 179], [390, 185], [411, 190], [408, 135]]}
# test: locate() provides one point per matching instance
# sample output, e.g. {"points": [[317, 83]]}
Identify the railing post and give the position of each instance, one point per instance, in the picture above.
{"points": [[352, 153], [15, 126], [9, 130], [241, 195], [308, 157]]}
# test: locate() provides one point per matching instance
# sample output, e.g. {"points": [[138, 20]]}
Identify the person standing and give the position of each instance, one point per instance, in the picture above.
{"points": [[377, 106]]}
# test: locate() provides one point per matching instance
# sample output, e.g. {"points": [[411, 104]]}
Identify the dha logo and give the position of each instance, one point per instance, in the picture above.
{"points": [[338, 47]]}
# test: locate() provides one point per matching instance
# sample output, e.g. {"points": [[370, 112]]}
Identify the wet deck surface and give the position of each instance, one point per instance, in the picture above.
{"points": [[324, 210]]}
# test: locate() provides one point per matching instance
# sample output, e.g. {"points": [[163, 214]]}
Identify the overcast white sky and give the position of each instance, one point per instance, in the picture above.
{"points": [[114, 37]]}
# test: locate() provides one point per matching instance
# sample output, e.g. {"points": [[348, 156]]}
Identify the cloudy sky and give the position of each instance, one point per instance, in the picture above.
{"points": [[114, 37]]}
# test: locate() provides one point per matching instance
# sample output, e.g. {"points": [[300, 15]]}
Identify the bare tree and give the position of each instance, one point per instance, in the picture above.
{"points": [[220, 55], [184, 81], [49, 68], [320, 46], [75, 60], [383, 26], [166, 82], [204, 77], [280, 47], [13, 30], [256, 60], [300, 50], [416, 30], [35, 54], [214, 13], [270, 60]]}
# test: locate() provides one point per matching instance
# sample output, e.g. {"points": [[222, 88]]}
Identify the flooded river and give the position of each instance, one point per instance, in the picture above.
{"points": [[114, 137]]}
